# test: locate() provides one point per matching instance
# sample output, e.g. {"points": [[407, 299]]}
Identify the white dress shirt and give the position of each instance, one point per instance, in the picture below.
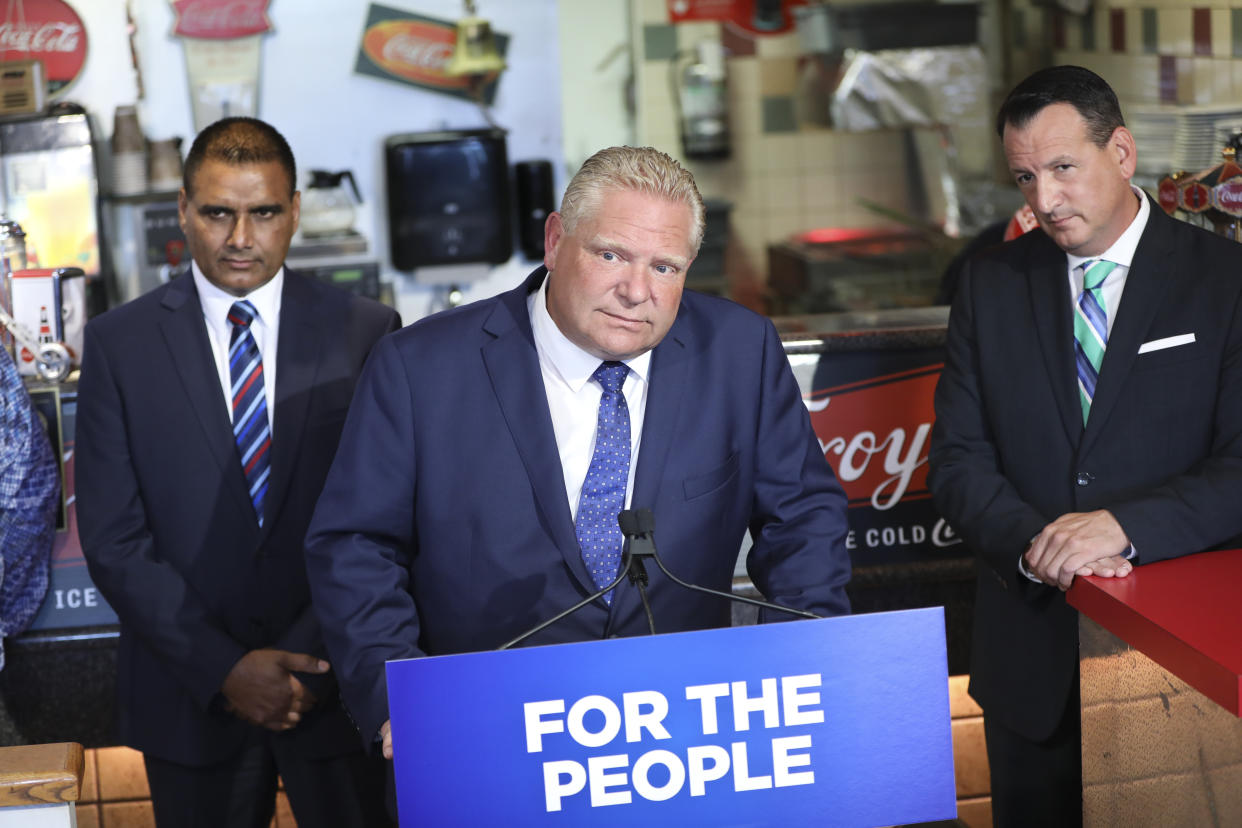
{"points": [[265, 328], [1120, 253], [573, 397]]}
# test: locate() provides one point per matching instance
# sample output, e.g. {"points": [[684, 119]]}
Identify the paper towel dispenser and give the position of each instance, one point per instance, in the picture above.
{"points": [[448, 198]]}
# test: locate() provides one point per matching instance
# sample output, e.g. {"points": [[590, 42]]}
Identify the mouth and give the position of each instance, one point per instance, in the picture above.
{"points": [[624, 321], [239, 264]]}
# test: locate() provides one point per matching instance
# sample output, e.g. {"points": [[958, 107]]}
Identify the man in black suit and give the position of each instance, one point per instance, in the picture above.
{"points": [[209, 413], [1089, 418]]}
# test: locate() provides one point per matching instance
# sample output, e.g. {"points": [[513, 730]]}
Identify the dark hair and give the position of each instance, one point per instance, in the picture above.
{"points": [[239, 141], [1081, 88]]}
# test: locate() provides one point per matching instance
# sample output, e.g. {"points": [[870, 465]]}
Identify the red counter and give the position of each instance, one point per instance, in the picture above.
{"points": [[1160, 659], [1185, 614]]}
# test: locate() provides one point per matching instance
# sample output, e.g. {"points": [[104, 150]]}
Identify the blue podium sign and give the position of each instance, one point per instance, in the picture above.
{"points": [[841, 721]]}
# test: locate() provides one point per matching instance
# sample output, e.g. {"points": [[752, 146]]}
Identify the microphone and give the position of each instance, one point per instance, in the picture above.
{"points": [[638, 526]]}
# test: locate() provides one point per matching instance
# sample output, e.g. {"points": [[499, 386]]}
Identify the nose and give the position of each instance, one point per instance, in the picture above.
{"points": [[634, 286], [1046, 196], [240, 235]]}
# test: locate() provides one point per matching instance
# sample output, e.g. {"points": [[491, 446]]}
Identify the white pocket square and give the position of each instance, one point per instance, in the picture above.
{"points": [[1167, 342]]}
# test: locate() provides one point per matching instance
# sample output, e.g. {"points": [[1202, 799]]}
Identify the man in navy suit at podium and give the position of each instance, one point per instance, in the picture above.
{"points": [[490, 448]]}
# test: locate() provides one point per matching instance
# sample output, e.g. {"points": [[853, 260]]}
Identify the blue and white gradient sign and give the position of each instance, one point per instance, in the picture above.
{"points": [[842, 721]]}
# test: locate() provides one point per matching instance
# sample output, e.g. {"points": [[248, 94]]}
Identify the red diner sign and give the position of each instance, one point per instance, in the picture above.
{"points": [[49, 31], [875, 434], [221, 19]]}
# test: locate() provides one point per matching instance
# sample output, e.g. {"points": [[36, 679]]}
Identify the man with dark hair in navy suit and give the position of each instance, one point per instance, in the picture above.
{"points": [[209, 411], [1089, 418], [491, 447]]}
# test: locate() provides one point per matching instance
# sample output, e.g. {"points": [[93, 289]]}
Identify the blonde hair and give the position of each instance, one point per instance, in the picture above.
{"points": [[640, 169]]}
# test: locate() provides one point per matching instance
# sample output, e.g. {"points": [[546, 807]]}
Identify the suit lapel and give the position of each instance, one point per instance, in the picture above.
{"points": [[1151, 270], [667, 388], [297, 364], [185, 334], [668, 379], [512, 364], [1053, 324]]}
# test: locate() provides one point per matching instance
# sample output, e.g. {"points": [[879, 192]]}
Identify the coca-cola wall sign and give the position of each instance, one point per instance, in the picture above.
{"points": [[872, 414], [49, 31], [220, 19], [414, 50]]}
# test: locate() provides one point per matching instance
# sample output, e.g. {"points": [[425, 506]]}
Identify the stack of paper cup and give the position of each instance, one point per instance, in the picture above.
{"points": [[129, 153]]}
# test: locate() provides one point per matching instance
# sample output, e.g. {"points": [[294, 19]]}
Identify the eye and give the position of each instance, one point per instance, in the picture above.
{"points": [[1023, 178], [608, 256], [666, 270], [264, 213]]}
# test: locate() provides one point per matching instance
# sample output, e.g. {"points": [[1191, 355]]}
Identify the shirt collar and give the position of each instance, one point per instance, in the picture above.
{"points": [[574, 365], [1122, 250], [216, 302]]}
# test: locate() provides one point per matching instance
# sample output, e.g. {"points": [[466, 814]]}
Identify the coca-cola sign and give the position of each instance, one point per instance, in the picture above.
{"points": [[1167, 195], [49, 31], [1195, 197], [220, 19], [1227, 197], [413, 49]]}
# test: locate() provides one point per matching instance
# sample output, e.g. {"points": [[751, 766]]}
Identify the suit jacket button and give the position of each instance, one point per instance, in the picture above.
{"points": [[1084, 479]]}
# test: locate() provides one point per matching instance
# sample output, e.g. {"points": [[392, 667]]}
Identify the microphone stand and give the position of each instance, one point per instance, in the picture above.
{"points": [[638, 526], [626, 562]]}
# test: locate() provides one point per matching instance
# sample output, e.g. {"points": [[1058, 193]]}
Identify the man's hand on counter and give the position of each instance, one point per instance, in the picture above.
{"points": [[262, 690], [1078, 543]]}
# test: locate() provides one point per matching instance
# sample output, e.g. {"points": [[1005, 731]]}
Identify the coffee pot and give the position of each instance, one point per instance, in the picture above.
{"points": [[327, 209]]}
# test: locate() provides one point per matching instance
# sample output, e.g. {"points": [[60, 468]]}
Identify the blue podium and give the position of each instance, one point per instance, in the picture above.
{"points": [[840, 721]]}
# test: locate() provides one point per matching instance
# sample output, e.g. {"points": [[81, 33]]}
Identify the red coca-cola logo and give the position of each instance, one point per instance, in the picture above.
{"points": [[1167, 195], [49, 31], [875, 434], [221, 19], [413, 50], [1195, 197], [1227, 197]]}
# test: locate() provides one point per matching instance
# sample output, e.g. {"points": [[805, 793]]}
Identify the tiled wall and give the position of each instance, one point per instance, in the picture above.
{"points": [[783, 177], [1150, 51]]}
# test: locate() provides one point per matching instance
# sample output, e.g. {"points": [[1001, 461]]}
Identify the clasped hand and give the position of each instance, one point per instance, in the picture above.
{"points": [[1079, 543], [262, 690]]}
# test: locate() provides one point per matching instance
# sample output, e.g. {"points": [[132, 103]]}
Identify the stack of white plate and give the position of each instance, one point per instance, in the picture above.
{"points": [[1197, 145], [1155, 132]]}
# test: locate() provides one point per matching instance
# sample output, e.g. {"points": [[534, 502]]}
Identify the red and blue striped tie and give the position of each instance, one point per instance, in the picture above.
{"points": [[251, 430]]}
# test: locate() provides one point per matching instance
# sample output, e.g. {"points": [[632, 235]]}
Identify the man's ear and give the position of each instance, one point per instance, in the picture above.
{"points": [[553, 232], [1122, 143]]}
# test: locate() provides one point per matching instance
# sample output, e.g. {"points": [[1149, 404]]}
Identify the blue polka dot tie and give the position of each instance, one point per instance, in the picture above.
{"points": [[251, 429], [603, 490]]}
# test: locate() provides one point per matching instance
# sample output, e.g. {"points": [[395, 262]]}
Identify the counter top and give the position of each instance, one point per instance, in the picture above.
{"points": [[863, 330], [1185, 614]]}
